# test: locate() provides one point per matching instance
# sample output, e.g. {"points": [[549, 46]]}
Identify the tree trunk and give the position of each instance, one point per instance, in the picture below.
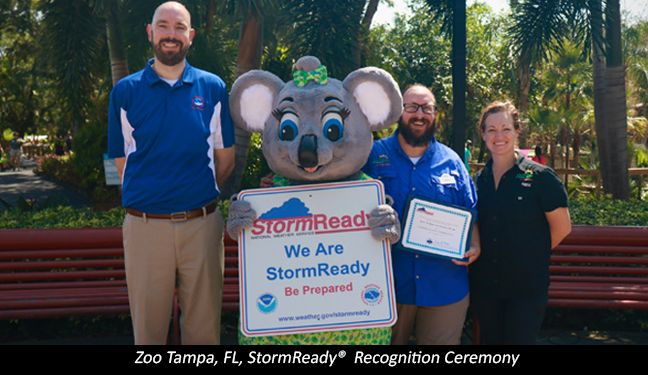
{"points": [[459, 77], [598, 63], [616, 116], [249, 58], [116, 45], [524, 85], [211, 9], [576, 142], [372, 7]]}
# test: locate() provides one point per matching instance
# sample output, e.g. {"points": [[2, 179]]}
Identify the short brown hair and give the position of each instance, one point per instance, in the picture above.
{"points": [[497, 107]]}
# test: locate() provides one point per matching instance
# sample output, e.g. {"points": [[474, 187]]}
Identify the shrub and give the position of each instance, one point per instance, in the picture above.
{"points": [[58, 168], [21, 217], [60, 217], [608, 212]]}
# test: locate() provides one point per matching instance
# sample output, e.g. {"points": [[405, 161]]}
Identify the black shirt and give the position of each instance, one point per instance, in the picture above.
{"points": [[513, 228]]}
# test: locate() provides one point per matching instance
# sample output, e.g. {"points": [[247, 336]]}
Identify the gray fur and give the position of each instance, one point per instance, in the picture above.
{"points": [[368, 97]]}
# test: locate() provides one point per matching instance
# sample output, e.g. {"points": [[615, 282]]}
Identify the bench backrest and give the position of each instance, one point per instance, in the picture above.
{"points": [[68, 255], [596, 253]]}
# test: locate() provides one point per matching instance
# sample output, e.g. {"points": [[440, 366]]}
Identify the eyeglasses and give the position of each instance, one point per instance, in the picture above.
{"points": [[413, 108]]}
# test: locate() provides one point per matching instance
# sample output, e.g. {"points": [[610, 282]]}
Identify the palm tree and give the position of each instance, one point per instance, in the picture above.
{"points": [[251, 13], [115, 39], [320, 28], [615, 98], [541, 25], [73, 40], [453, 17]]}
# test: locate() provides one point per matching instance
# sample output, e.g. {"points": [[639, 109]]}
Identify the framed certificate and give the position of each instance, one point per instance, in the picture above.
{"points": [[437, 229]]}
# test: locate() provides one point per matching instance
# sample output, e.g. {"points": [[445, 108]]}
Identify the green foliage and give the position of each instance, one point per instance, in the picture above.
{"points": [[59, 168], [327, 29], [73, 41], [26, 101], [30, 205], [608, 212], [642, 158], [60, 217], [583, 212], [7, 134], [416, 50], [257, 167]]}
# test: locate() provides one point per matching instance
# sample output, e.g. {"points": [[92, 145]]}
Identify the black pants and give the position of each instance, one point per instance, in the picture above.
{"points": [[509, 321]]}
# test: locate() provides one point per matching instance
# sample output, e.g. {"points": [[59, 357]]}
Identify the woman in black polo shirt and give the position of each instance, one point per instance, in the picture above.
{"points": [[523, 214]]}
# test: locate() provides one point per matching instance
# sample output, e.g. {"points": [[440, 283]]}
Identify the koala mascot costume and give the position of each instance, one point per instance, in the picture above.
{"points": [[315, 130]]}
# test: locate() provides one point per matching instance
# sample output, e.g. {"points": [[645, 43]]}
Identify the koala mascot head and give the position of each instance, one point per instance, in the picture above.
{"points": [[316, 128]]}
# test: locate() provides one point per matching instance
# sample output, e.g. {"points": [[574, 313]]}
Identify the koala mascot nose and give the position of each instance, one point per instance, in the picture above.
{"points": [[308, 151]]}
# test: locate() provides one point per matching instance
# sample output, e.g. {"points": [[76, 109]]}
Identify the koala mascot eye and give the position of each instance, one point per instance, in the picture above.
{"points": [[288, 127], [333, 126]]}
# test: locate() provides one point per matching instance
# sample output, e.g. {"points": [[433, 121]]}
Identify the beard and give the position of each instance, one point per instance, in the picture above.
{"points": [[170, 58], [416, 140]]}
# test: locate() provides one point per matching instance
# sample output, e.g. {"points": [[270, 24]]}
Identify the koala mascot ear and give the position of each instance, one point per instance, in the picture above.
{"points": [[252, 97], [377, 95]]}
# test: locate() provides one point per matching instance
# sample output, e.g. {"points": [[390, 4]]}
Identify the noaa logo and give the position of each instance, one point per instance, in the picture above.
{"points": [[266, 303], [197, 102], [372, 295]]}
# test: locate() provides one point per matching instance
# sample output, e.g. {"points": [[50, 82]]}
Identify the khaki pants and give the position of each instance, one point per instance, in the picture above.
{"points": [[431, 325], [161, 255]]}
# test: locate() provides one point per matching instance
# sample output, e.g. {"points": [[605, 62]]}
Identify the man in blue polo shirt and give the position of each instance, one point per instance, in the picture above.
{"points": [[172, 138], [431, 293]]}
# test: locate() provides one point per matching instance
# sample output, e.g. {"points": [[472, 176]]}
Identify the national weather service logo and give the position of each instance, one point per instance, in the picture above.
{"points": [[266, 303], [197, 102], [372, 295]]}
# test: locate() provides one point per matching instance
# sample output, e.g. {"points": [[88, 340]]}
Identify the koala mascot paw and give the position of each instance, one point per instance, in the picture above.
{"points": [[384, 223], [241, 216]]}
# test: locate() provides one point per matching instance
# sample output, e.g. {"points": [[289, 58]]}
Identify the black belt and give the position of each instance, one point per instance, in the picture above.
{"points": [[176, 216]]}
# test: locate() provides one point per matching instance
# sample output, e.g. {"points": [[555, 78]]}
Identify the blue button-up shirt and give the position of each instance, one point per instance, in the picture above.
{"points": [[423, 280]]}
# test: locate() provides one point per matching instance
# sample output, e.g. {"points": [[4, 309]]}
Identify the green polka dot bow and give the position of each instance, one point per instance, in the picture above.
{"points": [[318, 75]]}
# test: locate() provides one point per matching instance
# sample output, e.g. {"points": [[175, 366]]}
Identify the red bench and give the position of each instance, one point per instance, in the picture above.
{"points": [[601, 268], [48, 273], [51, 273], [598, 267]]}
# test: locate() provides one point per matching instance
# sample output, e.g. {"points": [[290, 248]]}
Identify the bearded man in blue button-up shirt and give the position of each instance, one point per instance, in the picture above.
{"points": [[431, 292]]}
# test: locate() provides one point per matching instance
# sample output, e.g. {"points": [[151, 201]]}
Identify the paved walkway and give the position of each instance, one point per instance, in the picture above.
{"points": [[38, 189]]}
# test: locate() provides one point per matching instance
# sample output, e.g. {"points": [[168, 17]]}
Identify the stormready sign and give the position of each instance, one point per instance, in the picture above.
{"points": [[309, 262]]}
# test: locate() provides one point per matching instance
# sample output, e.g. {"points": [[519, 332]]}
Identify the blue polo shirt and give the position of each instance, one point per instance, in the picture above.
{"points": [[168, 134], [438, 175]]}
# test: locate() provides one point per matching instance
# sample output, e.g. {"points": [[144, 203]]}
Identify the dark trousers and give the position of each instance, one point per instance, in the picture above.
{"points": [[509, 321]]}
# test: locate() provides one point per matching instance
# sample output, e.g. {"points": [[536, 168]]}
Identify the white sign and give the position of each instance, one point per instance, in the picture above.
{"points": [[310, 264]]}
